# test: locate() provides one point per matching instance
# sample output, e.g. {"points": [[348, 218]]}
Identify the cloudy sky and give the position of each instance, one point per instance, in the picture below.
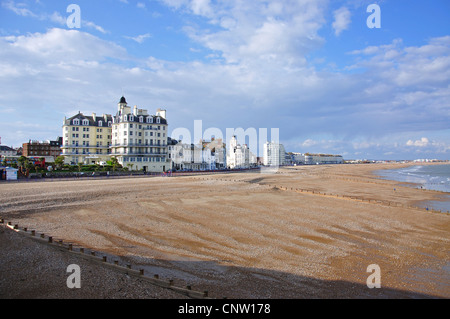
{"points": [[312, 68]]}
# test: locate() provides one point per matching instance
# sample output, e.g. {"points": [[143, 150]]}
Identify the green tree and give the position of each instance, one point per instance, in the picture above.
{"points": [[23, 161], [114, 163], [59, 162]]}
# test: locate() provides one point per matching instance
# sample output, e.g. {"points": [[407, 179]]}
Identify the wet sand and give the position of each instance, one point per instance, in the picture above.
{"points": [[304, 232]]}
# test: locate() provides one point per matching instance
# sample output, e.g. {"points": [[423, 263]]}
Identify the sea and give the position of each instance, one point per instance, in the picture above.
{"points": [[432, 177]]}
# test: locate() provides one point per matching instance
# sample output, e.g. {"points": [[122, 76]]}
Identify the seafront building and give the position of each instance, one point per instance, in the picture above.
{"points": [[6, 151], [42, 148], [86, 139], [316, 159], [190, 157], [239, 156], [139, 140], [274, 154]]}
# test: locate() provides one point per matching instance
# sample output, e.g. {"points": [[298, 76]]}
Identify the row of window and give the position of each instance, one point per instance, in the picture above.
{"points": [[143, 159], [87, 136], [85, 129], [139, 142], [140, 134], [149, 127], [86, 122], [130, 118]]}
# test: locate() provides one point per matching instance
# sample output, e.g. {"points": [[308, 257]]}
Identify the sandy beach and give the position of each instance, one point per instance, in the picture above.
{"points": [[303, 232]]}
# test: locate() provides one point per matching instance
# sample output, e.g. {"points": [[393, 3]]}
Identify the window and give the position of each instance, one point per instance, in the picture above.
{"points": [[109, 123], [100, 123], [85, 122], [76, 122], [158, 120], [131, 133], [131, 125], [141, 119], [131, 118], [151, 120]]}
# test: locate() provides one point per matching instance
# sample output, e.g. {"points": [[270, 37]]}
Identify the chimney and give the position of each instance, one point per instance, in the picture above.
{"points": [[161, 113]]}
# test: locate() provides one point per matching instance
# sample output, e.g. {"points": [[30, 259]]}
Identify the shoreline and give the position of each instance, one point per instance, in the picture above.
{"points": [[440, 202], [304, 232]]}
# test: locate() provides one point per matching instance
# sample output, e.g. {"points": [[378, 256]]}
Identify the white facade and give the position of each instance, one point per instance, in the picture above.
{"points": [[239, 156], [274, 154], [190, 157], [139, 140], [316, 159]]}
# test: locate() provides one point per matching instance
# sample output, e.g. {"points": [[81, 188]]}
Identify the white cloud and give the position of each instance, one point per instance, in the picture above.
{"points": [[342, 20], [277, 31], [19, 8], [423, 142], [140, 38]]}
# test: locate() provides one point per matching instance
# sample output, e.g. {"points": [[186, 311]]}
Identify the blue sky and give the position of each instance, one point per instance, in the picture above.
{"points": [[311, 68]]}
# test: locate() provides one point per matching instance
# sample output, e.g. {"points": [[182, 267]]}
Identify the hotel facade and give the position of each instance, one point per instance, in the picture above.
{"points": [[139, 140], [86, 139]]}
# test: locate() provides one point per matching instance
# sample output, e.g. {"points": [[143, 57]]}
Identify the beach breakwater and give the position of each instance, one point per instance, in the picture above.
{"points": [[104, 260]]}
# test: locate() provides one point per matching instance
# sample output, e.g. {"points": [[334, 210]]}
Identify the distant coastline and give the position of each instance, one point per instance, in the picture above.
{"points": [[434, 177]]}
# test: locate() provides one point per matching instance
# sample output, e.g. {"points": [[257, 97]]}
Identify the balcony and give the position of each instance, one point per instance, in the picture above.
{"points": [[136, 145]]}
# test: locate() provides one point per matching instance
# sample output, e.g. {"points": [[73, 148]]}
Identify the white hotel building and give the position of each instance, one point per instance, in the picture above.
{"points": [[139, 140]]}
